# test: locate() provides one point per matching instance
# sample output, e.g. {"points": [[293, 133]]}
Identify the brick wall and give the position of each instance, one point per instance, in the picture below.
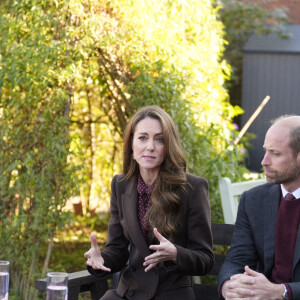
{"points": [[291, 6]]}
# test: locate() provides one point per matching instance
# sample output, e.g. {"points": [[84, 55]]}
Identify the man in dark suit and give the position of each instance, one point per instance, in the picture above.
{"points": [[263, 261]]}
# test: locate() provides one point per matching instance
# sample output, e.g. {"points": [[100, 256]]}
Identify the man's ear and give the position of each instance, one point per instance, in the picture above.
{"points": [[298, 159]]}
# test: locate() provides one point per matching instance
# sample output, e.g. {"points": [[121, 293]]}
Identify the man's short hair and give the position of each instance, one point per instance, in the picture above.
{"points": [[294, 135]]}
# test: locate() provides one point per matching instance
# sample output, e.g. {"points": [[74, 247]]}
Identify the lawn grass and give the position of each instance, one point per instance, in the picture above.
{"points": [[71, 243]]}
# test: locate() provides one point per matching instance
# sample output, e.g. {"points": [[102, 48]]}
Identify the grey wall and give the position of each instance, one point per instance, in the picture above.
{"points": [[271, 67]]}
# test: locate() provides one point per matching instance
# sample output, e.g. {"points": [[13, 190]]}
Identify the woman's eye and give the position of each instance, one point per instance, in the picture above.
{"points": [[142, 138], [160, 140]]}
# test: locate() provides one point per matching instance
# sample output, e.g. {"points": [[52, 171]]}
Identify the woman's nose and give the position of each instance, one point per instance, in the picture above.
{"points": [[150, 144]]}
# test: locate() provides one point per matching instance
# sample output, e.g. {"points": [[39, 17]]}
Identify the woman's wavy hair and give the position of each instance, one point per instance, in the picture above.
{"points": [[165, 208]]}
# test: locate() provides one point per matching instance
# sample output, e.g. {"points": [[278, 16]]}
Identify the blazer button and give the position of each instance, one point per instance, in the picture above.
{"points": [[130, 293], [149, 295]]}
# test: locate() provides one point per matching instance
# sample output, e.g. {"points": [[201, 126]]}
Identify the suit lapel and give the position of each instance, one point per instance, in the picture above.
{"points": [[270, 207], [129, 205], [297, 249]]}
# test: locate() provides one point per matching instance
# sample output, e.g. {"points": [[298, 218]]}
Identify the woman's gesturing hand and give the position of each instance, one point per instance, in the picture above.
{"points": [[94, 257], [163, 252]]}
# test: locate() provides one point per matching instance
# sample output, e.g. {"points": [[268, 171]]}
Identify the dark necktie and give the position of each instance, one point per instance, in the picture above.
{"points": [[289, 197]]}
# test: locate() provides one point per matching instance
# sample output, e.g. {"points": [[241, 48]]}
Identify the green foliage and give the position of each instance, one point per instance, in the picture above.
{"points": [[241, 20], [36, 178], [72, 73], [170, 56], [183, 72]]}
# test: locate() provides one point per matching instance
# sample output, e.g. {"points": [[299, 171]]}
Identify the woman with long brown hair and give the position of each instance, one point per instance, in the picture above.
{"points": [[160, 216]]}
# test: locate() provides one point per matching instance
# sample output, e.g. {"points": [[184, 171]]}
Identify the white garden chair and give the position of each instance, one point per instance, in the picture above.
{"points": [[230, 195]]}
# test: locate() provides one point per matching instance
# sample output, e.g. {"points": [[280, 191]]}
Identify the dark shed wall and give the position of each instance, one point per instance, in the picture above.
{"points": [[274, 73]]}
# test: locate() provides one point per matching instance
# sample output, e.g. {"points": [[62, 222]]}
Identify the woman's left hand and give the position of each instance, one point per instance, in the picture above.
{"points": [[163, 252]]}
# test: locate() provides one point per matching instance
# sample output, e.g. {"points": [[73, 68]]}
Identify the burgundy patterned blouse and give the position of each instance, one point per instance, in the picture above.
{"points": [[144, 203]]}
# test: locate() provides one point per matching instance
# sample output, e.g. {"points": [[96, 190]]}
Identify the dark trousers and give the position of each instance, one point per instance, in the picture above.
{"points": [[178, 294]]}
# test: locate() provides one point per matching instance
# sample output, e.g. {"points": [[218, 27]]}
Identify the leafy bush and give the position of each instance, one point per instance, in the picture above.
{"points": [[72, 73]]}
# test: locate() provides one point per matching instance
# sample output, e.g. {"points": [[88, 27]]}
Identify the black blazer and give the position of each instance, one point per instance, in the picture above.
{"points": [[193, 242], [253, 242]]}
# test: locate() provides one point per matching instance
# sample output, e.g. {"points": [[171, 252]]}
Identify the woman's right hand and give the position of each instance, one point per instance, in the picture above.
{"points": [[94, 257]]}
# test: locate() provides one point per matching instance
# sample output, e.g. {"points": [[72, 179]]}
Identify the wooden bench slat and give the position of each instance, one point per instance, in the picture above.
{"points": [[219, 259], [222, 233]]}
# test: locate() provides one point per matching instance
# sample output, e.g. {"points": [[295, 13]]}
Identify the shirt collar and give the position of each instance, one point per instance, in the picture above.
{"points": [[143, 188], [296, 193]]}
